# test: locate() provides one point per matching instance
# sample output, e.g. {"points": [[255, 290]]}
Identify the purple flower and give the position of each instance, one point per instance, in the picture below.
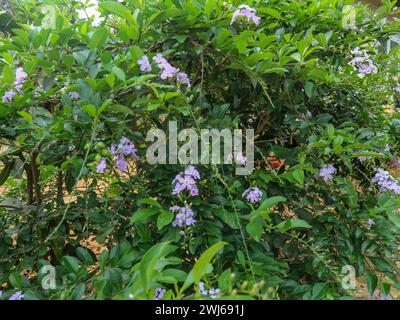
{"points": [[20, 77], [192, 171], [370, 222], [213, 293], [144, 64], [168, 71], [74, 95], [102, 165], [1, 293], [183, 78], [17, 296], [385, 298], [387, 148], [186, 181], [253, 194], [386, 182], [121, 163], [159, 293], [395, 163], [362, 62], [8, 96], [247, 12], [184, 216], [326, 172], [159, 59]]}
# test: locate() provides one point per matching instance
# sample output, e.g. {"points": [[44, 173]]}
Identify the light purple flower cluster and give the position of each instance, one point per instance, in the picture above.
{"points": [[184, 216], [20, 77], [213, 293], [159, 293], [326, 172], [386, 182], [124, 149], [74, 95], [17, 296], [166, 69], [8, 96], [121, 150], [247, 12], [186, 181], [253, 194], [370, 222], [362, 62]]}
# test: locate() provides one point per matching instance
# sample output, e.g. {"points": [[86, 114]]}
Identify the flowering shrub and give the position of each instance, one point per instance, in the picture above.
{"points": [[80, 92]]}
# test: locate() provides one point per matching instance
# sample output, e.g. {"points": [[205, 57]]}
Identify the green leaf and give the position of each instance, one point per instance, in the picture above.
{"points": [[270, 202], [119, 73], [292, 224], [91, 110], [319, 291], [372, 281], [200, 267], [309, 89], [149, 261], [255, 230], [26, 116], [119, 10], [144, 213], [72, 264], [98, 38], [164, 219], [209, 7]]}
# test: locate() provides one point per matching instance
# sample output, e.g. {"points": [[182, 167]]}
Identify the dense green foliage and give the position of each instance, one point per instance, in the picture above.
{"points": [[289, 78]]}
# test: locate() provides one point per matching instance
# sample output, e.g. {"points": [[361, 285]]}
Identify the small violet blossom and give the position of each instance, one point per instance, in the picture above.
{"points": [[102, 165], [253, 194], [144, 64], [213, 293], [184, 216], [186, 181], [362, 62], [247, 12], [386, 182], [326, 172], [74, 95], [8, 96], [20, 77], [370, 222], [17, 296], [122, 150], [159, 293]]}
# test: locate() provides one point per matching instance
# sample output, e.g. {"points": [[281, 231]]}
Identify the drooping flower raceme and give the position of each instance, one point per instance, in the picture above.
{"points": [[122, 150], [362, 62], [186, 181], [246, 12], [169, 71], [253, 194], [159, 293], [327, 171], [17, 296], [213, 293], [385, 181], [8, 96], [184, 216], [20, 77], [144, 64]]}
